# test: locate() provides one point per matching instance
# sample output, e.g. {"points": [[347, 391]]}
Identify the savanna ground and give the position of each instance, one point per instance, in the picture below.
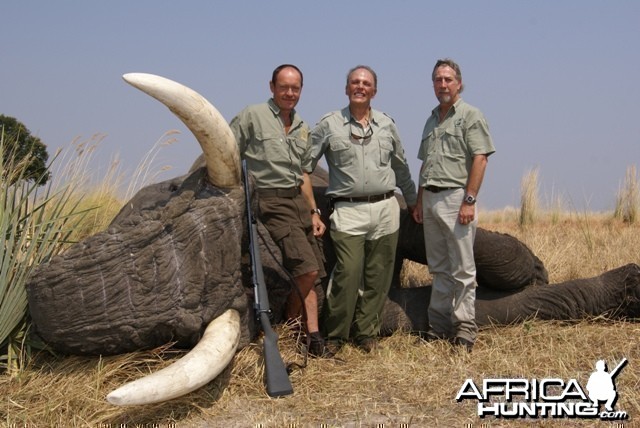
{"points": [[403, 384]]}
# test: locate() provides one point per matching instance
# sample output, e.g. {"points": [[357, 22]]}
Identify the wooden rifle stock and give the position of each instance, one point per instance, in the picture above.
{"points": [[277, 378]]}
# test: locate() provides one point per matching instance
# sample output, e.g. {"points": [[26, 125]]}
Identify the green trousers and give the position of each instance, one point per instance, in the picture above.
{"points": [[359, 286]]}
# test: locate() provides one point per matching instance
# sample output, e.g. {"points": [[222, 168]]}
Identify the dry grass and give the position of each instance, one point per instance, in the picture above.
{"points": [[579, 245], [529, 203], [103, 192], [404, 383], [628, 198]]}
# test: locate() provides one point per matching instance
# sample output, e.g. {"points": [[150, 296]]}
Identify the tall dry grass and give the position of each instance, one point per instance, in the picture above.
{"points": [[529, 201], [104, 190], [36, 220], [402, 384], [628, 198]]}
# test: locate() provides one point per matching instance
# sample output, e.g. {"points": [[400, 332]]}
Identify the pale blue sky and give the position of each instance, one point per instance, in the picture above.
{"points": [[555, 79]]}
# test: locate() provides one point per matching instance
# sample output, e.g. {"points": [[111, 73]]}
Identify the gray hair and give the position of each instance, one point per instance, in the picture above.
{"points": [[448, 62], [364, 67]]}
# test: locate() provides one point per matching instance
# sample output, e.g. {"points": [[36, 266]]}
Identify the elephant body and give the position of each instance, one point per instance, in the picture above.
{"points": [[614, 294]]}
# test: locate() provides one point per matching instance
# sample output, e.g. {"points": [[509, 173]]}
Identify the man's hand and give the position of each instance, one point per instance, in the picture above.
{"points": [[467, 213], [416, 212], [318, 225]]}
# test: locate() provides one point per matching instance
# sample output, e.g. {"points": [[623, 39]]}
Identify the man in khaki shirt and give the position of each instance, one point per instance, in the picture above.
{"points": [[366, 162], [273, 140], [454, 151]]}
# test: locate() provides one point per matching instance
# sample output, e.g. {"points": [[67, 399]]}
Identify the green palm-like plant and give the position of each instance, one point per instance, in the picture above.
{"points": [[35, 222]]}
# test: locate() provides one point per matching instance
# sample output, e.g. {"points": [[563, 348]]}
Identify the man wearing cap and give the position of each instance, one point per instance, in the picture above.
{"points": [[366, 162], [454, 151], [273, 140]]}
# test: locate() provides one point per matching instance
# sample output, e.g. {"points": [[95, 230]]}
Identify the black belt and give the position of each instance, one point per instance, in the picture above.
{"points": [[436, 189], [290, 192], [372, 198]]}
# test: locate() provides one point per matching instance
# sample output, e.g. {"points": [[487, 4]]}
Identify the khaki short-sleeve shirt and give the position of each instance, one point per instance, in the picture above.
{"points": [[448, 147], [275, 158], [373, 164]]}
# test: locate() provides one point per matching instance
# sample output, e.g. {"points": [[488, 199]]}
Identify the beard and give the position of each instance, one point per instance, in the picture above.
{"points": [[445, 98]]}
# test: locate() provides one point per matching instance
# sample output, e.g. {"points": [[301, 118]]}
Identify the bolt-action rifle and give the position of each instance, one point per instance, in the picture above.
{"points": [[277, 378]]}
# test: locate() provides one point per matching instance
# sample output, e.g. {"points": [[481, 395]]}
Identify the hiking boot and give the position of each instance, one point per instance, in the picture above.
{"points": [[464, 343], [367, 344], [427, 337]]}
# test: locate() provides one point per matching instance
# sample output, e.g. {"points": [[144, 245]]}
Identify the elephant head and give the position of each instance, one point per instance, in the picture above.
{"points": [[168, 265]]}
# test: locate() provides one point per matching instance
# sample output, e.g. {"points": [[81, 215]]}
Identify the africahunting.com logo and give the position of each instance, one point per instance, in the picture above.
{"points": [[548, 398]]}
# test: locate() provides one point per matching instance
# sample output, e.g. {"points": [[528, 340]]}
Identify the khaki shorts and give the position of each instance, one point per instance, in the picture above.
{"points": [[288, 221]]}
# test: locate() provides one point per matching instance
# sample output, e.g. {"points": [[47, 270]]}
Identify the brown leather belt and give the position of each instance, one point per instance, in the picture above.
{"points": [[436, 189], [290, 192], [372, 198]]}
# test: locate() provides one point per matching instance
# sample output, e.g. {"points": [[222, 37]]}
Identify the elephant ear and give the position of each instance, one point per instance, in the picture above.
{"points": [[506, 263]]}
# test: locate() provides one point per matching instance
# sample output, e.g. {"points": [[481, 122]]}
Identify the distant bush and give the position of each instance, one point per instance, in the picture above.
{"points": [[20, 146]]}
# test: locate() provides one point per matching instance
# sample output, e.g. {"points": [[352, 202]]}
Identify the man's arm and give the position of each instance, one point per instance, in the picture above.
{"points": [[318, 142], [476, 175], [238, 131], [401, 169], [416, 213], [307, 193]]}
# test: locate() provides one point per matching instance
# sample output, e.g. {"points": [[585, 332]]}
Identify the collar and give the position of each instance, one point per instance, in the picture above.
{"points": [[276, 111], [374, 116], [274, 107], [452, 110]]}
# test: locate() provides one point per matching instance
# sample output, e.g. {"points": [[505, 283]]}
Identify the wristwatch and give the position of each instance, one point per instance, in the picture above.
{"points": [[316, 211], [469, 199]]}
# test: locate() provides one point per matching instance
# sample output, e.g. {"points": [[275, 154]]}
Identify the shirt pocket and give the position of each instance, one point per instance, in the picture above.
{"points": [[271, 145], [386, 151], [341, 151], [427, 146], [298, 148], [453, 142]]}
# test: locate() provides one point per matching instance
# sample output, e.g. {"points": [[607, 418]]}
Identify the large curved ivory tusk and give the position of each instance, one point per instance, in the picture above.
{"points": [[201, 365], [203, 120]]}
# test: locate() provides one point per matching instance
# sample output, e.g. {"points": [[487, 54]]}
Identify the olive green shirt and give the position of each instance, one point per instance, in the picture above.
{"points": [[276, 159], [362, 167], [447, 148]]}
